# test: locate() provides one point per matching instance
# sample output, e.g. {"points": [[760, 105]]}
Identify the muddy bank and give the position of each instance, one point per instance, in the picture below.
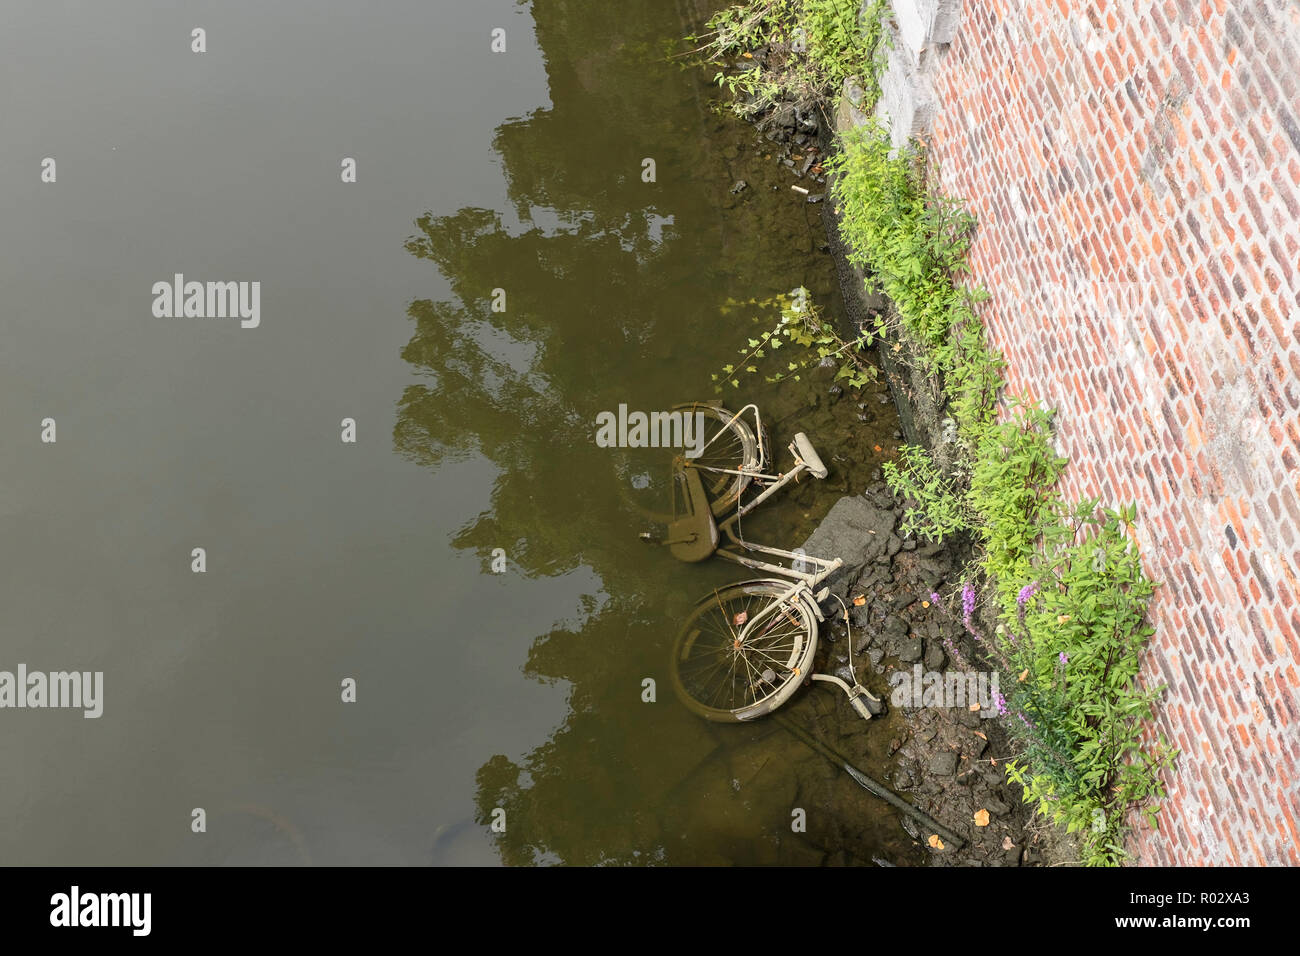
{"points": [[946, 759], [944, 756]]}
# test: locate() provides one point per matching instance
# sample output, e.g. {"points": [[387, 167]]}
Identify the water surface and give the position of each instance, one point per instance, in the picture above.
{"points": [[327, 560]]}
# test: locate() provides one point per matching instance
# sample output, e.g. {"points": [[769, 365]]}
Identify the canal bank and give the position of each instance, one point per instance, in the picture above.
{"points": [[1054, 596]]}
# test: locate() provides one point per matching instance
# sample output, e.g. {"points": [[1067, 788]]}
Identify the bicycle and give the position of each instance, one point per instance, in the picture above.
{"points": [[745, 649]]}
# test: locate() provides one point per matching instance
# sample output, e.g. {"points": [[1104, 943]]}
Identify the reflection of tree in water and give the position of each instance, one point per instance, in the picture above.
{"points": [[613, 291]]}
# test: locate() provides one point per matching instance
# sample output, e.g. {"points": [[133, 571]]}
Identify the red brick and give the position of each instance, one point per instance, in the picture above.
{"points": [[1172, 193]]}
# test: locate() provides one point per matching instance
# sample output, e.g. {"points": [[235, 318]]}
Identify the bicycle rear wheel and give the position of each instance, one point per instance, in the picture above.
{"points": [[729, 446], [744, 651]]}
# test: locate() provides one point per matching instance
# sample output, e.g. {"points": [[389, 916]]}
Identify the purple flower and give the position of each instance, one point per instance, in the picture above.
{"points": [[968, 608], [934, 597], [1002, 706], [967, 600], [1064, 658], [1027, 592]]}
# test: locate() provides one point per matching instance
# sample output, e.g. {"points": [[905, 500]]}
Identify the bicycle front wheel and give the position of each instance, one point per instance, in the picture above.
{"points": [[744, 650]]}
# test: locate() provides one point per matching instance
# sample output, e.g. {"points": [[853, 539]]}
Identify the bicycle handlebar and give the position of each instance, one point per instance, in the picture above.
{"points": [[861, 707]]}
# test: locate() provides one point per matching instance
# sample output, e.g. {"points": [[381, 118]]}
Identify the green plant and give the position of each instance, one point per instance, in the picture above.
{"points": [[933, 508], [910, 244], [801, 323], [1083, 761], [1081, 713], [798, 51]]}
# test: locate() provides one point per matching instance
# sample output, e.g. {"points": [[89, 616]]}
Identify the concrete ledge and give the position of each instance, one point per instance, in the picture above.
{"points": [[907, 104], [923, 23]]}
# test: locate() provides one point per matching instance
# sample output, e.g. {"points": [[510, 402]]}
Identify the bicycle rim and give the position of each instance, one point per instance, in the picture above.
{"points": [[729, 446], [728, 672]]}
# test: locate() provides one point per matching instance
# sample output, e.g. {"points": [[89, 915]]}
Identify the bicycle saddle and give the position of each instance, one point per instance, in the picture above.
{"points": [[808, 455]]}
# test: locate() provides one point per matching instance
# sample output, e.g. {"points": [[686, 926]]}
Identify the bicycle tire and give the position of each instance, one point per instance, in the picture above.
{"points": [[705, 683], [740, 454]]}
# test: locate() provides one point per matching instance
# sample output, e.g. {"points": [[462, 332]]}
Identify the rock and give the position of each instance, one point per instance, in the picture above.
{"points": [[875, 655], [740, 187], [816, 197], [996, 807], [943, 764], [784, 116], [909, 650], [939, 564], [855, 531], [933, 656], [895, 628], [902, 600], [910, 827], [909, 544], [968, 718]]}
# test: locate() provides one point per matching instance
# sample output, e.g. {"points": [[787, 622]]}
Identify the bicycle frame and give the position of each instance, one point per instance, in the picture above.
{"points": [[697, 539], [824, 568]]}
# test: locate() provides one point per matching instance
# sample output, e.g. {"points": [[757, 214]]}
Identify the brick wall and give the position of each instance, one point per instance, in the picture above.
{"points": [[1136, 172]]}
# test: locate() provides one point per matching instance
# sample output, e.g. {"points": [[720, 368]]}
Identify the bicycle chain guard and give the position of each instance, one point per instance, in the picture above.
{"points": [[693, 537]]}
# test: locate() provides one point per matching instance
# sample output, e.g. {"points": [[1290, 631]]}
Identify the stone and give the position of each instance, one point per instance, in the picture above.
{"points": [[996, 807], [943, 764], [857, 532], [783, 116], [909, 650], [933, 656]]}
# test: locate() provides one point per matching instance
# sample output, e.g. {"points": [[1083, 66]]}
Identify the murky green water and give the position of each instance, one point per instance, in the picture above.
{"points": [[519, 171]]}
